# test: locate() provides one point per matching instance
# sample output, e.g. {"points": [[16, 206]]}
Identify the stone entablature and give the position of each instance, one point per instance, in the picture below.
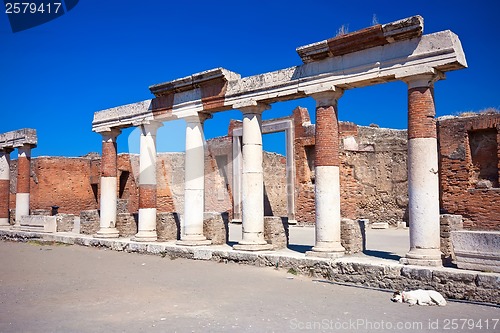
{"points": [[15, 139]]}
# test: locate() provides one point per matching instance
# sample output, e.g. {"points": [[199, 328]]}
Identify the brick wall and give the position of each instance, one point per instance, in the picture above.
{"points": [[469, 149]]}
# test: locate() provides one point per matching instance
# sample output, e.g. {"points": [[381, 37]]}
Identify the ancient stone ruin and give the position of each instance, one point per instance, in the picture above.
{"points": [[333, 173]]}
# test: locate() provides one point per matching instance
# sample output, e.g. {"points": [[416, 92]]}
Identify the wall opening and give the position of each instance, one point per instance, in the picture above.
{"points": [[483, 147]]}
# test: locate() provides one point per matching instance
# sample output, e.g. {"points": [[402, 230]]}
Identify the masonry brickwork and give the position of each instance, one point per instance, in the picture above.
{"points": [[469, 161]]}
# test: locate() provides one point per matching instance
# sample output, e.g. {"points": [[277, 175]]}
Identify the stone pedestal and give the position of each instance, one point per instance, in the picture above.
{"points": [[252, 182], [23, 183], [4, 186], [423, 174], [327, 173], [147, 184], [107, 227], [194, 189]]}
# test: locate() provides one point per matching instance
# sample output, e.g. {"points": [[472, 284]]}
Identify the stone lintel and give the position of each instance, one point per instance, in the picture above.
{"points": [[377, 35], [123, 116], [19, 138]]}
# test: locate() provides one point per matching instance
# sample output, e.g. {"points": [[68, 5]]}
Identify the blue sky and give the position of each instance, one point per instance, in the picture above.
{"points": [[107, 53]]}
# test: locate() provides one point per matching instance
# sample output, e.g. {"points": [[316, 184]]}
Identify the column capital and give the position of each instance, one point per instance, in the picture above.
{"points": [[6, 150], [252, 107], [424, 79], [111, 135], [326, 97], [150, 127], [199, 118]]}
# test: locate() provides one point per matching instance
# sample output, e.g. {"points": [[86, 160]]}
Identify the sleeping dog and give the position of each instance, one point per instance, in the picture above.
{"points": [[420, 297]]}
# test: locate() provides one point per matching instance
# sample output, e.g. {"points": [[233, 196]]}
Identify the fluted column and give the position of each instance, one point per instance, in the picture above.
{"points": [[194, 189], [423, 174], [252, 182], [108, 185], [23, 183], [147, 183], [4, 186], [327, 176]]}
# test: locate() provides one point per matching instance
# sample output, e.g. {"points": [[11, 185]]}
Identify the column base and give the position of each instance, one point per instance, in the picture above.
{"points": [[193, 240], [332, 251], [423, 257], [4, 222], [253, 247], [107, 233], [145, 236]]}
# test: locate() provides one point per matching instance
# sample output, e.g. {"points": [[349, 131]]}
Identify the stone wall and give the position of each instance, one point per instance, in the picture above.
{"points": [[373, 171], [469, 164]]}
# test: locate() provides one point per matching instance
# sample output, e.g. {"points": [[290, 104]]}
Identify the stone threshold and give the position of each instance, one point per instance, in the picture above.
{"points": [[369, 272]]}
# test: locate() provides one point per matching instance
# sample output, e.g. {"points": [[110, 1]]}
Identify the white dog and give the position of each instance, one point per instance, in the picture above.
{"points": [[420, 297]]}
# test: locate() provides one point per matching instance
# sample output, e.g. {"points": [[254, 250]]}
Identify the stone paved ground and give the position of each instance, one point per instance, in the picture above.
{"points": [[59, 288]]}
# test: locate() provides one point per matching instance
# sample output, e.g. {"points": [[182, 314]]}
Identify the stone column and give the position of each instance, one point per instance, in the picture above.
{"points": [[108, 185], [194, 179], [327, 174], [236, 190], [4, 186], [252, 182], [423, 177], [147, 183], [290, 174], [23, 183]]}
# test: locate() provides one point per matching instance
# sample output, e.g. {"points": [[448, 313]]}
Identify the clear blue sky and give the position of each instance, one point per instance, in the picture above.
{"points": [[107, 53]]}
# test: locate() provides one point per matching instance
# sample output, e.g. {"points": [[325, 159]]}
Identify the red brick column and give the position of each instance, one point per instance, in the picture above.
{"points": [[23, 183], [4, 186], [108, 185], [423, 177], [327, 175]]}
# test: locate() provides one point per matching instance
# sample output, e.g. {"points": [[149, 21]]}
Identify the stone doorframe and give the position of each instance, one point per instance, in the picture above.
{"points": [[268, 126]]}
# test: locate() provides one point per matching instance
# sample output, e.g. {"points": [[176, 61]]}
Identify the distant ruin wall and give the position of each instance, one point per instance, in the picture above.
{"points": [[469, 161]]}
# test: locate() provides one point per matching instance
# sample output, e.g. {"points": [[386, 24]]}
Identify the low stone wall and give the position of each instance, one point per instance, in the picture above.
{"points": [[168, 226], [352, 235], [38, 223], [89, 221], [449, 223], [126, 224], [478, 250], [385, 274], [65, 222], [215, 227], [276, 231]]}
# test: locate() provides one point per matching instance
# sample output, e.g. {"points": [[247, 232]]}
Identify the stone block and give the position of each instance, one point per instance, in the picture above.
{"points": [[168, 226], [448, 223], [126, 224], [38, 223], [276, 231], [215, 227], [65, 222], [477, 250], [352, 235], [89, 221]]}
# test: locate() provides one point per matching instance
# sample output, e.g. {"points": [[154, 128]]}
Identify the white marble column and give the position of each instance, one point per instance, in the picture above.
{"points": [[423, 174], [4, 186], [108, 185], [23, 183], [327, 176], [147, 183], [252, 182], [236, 190], [194, 179]]}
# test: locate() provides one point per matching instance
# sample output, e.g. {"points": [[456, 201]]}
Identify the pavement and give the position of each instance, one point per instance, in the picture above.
{"points": [[70, 288]]}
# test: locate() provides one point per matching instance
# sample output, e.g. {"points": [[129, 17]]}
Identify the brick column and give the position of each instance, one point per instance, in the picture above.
{"points": [[327, 184], [423, 177], [4, 186], [194, 189], [23, 183], [252, 182], [147, 184], [108, 185]]}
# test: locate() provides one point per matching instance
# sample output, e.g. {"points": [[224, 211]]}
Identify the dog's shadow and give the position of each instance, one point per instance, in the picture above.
{"points": [[382, 254]]}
